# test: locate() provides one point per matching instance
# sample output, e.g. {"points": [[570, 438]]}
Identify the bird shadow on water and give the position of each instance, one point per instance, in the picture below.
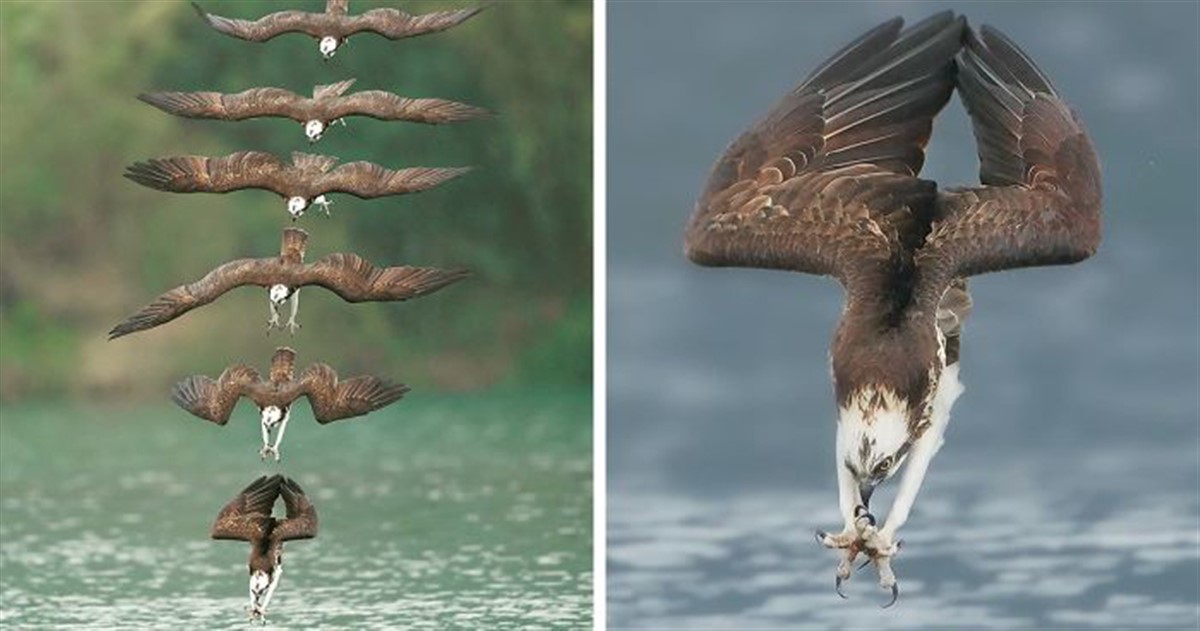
{"points": [[1018, 547]]}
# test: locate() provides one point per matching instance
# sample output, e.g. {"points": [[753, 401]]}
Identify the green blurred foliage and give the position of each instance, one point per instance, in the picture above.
{"points": [[81, 247]]}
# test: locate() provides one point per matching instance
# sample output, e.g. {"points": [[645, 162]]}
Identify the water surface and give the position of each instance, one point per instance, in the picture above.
{"points": [[469, 511]]}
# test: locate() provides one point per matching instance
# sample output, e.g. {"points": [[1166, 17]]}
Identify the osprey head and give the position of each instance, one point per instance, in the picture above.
{"points": [[873, 438], [271, 415], [328, 46], [296, 206], [278, 293], [314, 129]]}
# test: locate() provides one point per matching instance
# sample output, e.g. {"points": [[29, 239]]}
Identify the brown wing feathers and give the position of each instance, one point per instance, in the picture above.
{"points": [[367, 180], [1042, 198], [826, 180], [214, 400], [301, 521], [356, 280], [248, 516], [396, 24], [332, 400]]}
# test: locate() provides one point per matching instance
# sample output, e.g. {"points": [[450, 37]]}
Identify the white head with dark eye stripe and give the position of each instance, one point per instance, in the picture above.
{"points": [[873, 439], [278, 293], [296, 206], [314, 129], [328, 46]]}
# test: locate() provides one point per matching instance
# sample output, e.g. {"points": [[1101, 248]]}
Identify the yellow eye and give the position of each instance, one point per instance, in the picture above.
{"points": [[884, 466]]}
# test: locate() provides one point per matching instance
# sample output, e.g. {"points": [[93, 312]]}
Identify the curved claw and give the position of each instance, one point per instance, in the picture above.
{"points": [[865, 564], [895, 595], [837, 587], [820, 535]]}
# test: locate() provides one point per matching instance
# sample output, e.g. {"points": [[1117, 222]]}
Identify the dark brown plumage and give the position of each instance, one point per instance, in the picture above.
{"points": [[330, 398], [336, 23], [326, 105], [248, 518], [349, 276], [307, 178], [827, 183]]}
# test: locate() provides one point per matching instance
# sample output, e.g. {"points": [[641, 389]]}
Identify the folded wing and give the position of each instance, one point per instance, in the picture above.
{"points": [[248, 516], [333, 400], [1041, 199], [301, 521], [356, 280], [826, 182]]}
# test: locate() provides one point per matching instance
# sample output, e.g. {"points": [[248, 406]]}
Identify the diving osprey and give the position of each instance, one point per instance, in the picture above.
{"points": [[305, 181], [326, 107], [331, 400], [826, 183], [333, 27], [248, 518], [349, 276]]}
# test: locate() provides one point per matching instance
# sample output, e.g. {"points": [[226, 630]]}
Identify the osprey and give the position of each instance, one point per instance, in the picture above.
{"points": [[347, 275], [334, 26], [326, 107], [305, 181], [248, 518], [330, 399], [826, 183]]}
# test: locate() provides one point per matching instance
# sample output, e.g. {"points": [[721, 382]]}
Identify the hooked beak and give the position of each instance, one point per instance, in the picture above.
{"points": [[865, 489]]}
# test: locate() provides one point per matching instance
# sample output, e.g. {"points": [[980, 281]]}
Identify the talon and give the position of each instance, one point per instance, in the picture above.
{"points": [[895, 595], [837, 587], [821, 535], [864, 564]]}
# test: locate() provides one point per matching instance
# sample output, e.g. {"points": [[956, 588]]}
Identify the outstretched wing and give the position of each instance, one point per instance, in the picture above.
{"points": [[390, 107], [1041, 199], [214, 400], [247, 517], [332, 400], [396, 24], [357, 280], [200, 174], [264, 28], [184, 298], [367, 179], [826, 182], [251, 103], [301, 521]]}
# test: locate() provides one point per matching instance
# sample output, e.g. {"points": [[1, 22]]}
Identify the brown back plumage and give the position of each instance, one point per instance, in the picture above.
{"points": [[291, 250]]}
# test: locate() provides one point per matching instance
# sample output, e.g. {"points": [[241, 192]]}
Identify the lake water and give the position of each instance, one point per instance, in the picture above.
{"points": [[1066, 493], [471, 511]]}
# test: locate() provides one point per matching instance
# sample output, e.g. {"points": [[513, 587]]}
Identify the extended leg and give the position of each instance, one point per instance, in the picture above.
{"points": [[279, 435], [266, 440], [292, 325], [271, 589], [272, 323], [324, 203]]}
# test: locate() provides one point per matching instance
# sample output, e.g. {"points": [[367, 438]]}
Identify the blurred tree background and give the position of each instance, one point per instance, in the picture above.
{"points": [[81, 247]]}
